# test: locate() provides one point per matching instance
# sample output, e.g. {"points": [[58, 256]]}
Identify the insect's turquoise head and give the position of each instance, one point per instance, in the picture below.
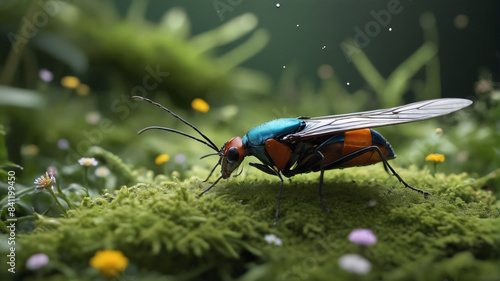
{"points": [[233, 154]]}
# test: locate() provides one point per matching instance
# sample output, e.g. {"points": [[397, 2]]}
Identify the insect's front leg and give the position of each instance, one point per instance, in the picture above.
{"points": [[269, 170]]}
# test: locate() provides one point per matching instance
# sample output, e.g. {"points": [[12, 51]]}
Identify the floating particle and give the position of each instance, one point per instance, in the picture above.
{"points": [[461, 21]]}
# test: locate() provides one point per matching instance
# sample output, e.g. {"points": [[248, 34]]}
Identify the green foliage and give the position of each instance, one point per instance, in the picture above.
{"points": [[390, 91], [164, 229], [4, 158], [183, 65]]}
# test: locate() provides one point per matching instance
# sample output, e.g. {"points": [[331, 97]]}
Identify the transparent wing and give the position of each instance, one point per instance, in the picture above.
{"points": [[377, 118]]}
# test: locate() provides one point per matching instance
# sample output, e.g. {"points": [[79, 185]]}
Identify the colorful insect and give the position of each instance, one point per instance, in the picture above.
{"points": [[290, 146]]}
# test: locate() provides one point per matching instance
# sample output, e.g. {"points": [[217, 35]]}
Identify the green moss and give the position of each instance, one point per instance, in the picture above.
{"points": [[164, 229]]}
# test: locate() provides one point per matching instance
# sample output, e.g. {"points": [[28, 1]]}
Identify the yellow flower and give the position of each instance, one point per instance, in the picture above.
{"points": [[30, 150], [82, 89], [435, 157], [70, 82], [200, 105], [109, 262], [162, 158]]}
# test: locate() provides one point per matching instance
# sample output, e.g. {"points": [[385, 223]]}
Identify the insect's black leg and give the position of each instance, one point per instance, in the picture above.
{"points": [[396, 174], [264, 168], [211, 172], [355, 154], [320, 191], [279, 199], [385, 168], [268, 170], [204, 191], [241, 171]]}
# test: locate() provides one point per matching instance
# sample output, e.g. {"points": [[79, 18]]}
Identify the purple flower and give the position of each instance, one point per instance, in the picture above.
{"points": [[45, 75], [363, 237], [37, 261], [52, 171], [180, 158], [63, 144]]}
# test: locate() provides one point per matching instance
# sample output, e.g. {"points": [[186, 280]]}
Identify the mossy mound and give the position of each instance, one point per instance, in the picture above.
{"points": [[165, 230]]}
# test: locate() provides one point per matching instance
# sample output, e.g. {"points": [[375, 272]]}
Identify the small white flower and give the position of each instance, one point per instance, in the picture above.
{"points": [[84, 161], [37, 261], [93, 117], [372, 203], [102, 172], [45, 182], [273, 239], [355, 263]]}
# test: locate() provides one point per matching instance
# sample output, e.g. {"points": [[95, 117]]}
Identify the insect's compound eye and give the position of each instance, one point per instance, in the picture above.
{"points": [[232, 155]]}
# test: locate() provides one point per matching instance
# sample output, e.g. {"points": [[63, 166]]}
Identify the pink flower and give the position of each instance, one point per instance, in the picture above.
{"points": [[37, 261], [363, 237], [45, 75]]}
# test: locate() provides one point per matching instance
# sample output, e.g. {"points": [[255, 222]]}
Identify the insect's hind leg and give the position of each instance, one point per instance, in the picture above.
{"points": [[386, 165], [355, 154]]}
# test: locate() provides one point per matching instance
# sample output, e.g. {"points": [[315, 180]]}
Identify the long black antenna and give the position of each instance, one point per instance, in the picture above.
{"points": [[210, 154], [210, 143], [177, 132]]}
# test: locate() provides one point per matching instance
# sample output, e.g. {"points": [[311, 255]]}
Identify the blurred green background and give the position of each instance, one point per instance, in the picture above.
{"points": [[251, 61]]}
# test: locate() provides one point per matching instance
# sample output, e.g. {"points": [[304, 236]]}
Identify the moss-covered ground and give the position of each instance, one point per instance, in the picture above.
{"points": [[169, 234]]}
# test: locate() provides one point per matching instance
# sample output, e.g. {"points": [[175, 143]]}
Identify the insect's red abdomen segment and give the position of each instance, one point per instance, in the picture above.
{"points": [[279, 153], [356, 140]]}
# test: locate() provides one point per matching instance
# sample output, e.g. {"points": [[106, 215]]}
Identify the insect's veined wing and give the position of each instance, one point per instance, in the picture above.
{"points": [[376, 118]]}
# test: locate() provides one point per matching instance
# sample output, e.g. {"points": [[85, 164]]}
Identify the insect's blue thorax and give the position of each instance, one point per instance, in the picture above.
{"points": [[255, 139]]}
